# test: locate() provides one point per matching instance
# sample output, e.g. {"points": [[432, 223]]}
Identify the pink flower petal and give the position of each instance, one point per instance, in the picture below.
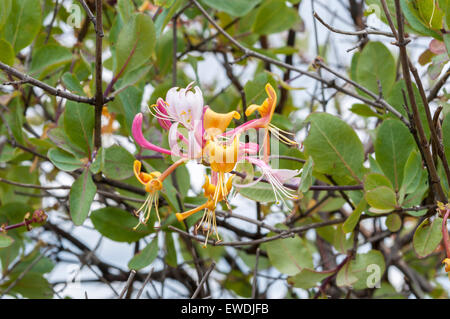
{"points": [[140, 139]]}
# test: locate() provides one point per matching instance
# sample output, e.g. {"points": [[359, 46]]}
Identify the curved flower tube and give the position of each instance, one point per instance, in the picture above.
{"points": [[141, 140]]}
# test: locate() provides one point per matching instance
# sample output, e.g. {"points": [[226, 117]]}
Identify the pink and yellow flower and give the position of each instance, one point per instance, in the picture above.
{"points": [[208, 140]]}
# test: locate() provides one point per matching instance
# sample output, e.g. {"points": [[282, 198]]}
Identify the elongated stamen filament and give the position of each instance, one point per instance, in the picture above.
{"points": [[144, 211]]}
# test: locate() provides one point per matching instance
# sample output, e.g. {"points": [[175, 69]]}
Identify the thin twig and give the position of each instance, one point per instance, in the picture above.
{"points": [[205, 277]]}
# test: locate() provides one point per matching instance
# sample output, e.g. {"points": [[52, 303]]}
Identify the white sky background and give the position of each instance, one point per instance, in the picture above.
{"points": [[210, 70]]}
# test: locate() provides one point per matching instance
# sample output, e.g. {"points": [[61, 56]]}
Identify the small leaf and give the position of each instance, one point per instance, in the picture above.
{"points": [[145, 257], [363, 272], [81, 196], [64, 160], [416, 22], [6, 53], [364, 110], [307, 278], [351, 221], [261, 192], [72, 83], [393, 222], [427, 237], [306, 176], [5, 241], [382, 198]]}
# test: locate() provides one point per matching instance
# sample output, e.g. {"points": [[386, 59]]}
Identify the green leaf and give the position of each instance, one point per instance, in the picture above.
{"points": [[81, 196], [5, 241], [363, 272], [260, 192], [129, 102], [118, 225], [5, 10], [125, 9], [23, 24], [118, 163], [427, 237], [32, 285], [48, 58], [171, 252], [340, 241], [72, 83], [59, 137], [430, 13], [412, 15], [135, 43], [163, 18], [393, 222], [306, 176], [412, 172], [396, 100], [64, 160], [334, 146], [145, 257], [382, 199], [307, 278], [274, 16], [289, 255], [393, 145], [374, 180], [364, 110], [255, 89], [79, 125], [376, 63], [237, 8], [446, 136], [345, 277], [43, 266], [352, 220], [6, 53]]}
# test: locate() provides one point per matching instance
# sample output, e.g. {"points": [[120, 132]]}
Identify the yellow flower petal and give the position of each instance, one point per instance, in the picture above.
{"points": [[446, 261], [222, 158], [216, 123], [267, 108]]}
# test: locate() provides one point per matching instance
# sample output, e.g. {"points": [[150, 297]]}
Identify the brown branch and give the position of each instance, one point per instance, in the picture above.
{"points": [[435, 180], [98, 76], [24, 78]]}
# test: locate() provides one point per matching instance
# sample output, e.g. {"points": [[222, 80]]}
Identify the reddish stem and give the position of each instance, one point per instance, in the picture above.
{"points": [[445, 232], [39, 216]]}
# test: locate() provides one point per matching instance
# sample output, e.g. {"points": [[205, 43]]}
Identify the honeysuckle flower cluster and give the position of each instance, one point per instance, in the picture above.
{"points": [[196, 132]]}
